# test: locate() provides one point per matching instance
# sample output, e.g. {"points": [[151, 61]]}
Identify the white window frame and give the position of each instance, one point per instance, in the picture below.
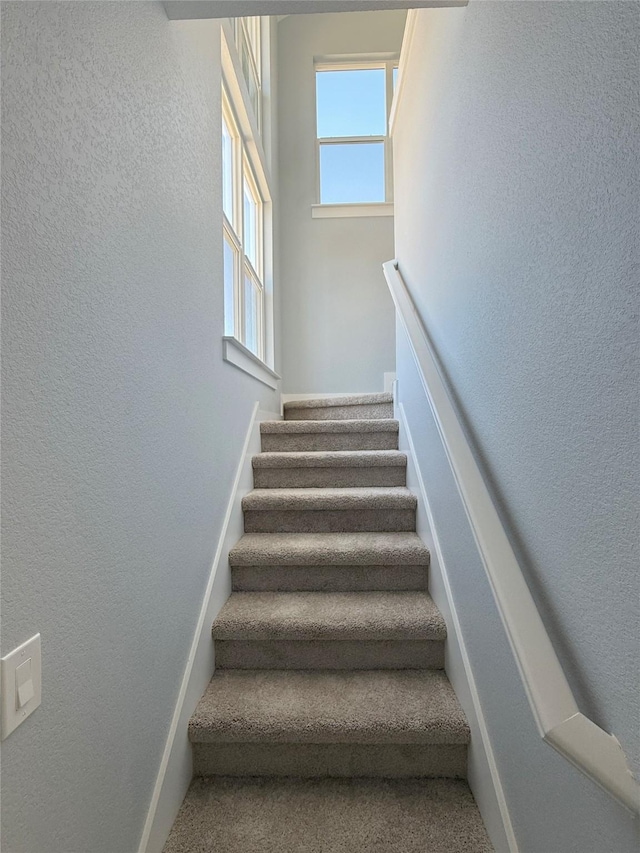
{"points": [[255, 272], [235, 232], [386, 61], [249, 33], [249, 162]]}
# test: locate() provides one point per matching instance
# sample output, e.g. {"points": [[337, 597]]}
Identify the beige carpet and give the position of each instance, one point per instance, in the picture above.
{"points": [[329, 723], [358, 434], [328, 816], [362, 406]]}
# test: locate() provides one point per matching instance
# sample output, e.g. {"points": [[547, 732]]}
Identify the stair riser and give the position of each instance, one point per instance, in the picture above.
{"points": [[335, 759], [341, 413], [328, 578], [330, 521], [329, 654], [343, 477], [300, 442]]}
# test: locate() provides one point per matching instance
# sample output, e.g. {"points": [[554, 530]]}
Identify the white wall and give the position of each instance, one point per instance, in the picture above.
{"points": [[516, 232], [337, 316], [122, 426]]}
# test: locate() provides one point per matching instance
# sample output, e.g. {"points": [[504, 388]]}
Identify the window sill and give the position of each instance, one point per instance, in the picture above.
{"points": [[237, 354], [338, 211]]}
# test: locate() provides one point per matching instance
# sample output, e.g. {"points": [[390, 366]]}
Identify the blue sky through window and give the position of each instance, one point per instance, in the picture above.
{"points": [[351, 103], [352, 173]]}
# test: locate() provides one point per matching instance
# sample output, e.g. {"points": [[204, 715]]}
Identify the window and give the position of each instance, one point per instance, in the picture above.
{"points": [[246, 190], [249, 37], [243, 209], [353, 102]]}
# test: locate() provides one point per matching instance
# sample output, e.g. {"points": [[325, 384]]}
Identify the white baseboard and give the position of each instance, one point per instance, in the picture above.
{"points": [[174, 775], [483, 777]]}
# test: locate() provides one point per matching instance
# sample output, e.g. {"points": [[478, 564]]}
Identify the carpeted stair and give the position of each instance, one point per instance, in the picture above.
{"points": [[329, 724]]}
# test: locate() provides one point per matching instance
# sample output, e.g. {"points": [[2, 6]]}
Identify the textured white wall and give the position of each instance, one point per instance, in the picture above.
{"points": [[516, 231], [337, 315], [122, 426]]}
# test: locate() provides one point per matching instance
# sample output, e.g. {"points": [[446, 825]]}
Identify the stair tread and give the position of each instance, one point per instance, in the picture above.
{"points": [[329, 616], [348, 498], [357, 426], [316, 706], [325, 549], [330, 459], [346, 400], [341, 815]]}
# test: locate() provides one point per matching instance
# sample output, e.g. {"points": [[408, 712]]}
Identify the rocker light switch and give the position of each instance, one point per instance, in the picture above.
{"points": [[21, 684], [24, 684]]}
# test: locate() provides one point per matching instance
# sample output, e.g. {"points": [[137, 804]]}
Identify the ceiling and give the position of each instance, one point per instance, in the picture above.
{"points": [[194, 9]]}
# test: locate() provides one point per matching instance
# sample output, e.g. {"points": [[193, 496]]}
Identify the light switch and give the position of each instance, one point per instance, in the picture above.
{"points": [[24, 684], [20, 684]]}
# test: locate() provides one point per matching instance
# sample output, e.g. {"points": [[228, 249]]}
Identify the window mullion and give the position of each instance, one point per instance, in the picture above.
{"points": [[346, 140]]}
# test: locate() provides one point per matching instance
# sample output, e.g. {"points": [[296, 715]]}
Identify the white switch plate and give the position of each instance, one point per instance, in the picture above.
{"points": [[12, 713]]}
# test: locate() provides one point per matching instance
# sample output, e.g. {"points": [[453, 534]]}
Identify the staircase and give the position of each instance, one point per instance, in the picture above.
{"points": [[329, 724]]}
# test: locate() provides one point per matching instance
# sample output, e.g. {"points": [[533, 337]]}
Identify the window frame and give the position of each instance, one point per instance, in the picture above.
{"points": [[248, 37], [249, 163], [235, 232], [232, 229], [387, 62], [255, 272]]}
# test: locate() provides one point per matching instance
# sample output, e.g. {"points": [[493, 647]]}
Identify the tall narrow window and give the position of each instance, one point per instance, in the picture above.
{"points": [[231, 254], [247, 238], [227, 169], [251, 225], [353, 101], [243, 240], [253, 263], [249, 35]]}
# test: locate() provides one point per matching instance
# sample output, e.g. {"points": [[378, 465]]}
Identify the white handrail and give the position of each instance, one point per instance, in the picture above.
{"points": [[560, 723]]}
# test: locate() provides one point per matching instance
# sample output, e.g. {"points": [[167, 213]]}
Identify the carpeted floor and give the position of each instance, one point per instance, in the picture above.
{"points": [[329, 725], [223, 815]]}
